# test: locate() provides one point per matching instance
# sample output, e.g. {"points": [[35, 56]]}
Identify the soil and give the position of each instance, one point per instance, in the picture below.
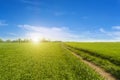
{"points": [[98, 69]]}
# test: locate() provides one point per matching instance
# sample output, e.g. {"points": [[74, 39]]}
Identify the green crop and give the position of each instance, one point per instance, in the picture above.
{"points": [[105, 55], [44, 61], [110, 51]]}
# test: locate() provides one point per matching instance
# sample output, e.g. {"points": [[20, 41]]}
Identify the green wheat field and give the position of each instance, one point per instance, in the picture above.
{"points": [[55, 61]]}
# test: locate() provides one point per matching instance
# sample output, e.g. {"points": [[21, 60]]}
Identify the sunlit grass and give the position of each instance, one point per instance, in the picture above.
{"points": [[105, 55], [45, 61]]}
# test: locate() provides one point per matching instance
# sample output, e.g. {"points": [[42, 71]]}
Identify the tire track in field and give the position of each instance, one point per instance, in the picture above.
{"points": [[98, 69]]}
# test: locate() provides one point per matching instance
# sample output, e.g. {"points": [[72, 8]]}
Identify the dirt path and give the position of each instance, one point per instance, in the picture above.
{"points": [[98, 69]]}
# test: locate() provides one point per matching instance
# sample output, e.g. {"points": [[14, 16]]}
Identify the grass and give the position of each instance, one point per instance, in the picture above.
{"points": [[109, 51], [105, 55], [44, 61]]}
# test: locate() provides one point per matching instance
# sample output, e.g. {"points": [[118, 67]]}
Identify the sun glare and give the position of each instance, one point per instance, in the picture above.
{"points": [[35, 40]]}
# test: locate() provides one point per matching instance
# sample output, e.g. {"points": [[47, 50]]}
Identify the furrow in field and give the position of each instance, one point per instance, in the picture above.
{"points": [[98, 69]]}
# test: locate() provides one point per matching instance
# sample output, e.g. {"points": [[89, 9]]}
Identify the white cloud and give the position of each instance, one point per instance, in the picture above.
{"points": [[12, 34], [114, 34], [52, 33], [116, 27], [32, 2], [59, 13], [102, 30], [2, 23], [62, 13], [65, 34]]}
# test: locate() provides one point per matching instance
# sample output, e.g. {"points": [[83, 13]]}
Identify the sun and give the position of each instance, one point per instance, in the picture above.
{"points": [[35, 40]]}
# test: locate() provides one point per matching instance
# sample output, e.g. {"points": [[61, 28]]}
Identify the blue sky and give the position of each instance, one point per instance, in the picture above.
{"points": [[70, 20]]}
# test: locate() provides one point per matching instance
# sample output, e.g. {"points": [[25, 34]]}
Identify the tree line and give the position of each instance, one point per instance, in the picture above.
{"points": [[22, 40], [19, 40]]}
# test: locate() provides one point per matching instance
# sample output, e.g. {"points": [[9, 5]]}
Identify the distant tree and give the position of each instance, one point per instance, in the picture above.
{"points": [[17, 40], [8, 40], [26, 40], [44, 40], [14, 41], [57, 41], [22, 40], [1, 40]]}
